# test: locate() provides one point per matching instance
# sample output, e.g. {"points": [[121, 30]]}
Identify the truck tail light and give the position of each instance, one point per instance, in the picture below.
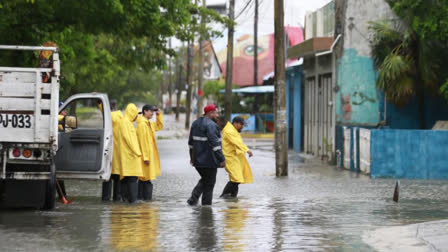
{"points": [[16, 153], [27, 153]]}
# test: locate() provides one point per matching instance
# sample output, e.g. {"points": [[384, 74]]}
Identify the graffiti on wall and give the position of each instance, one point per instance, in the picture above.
{"points": [[357, 98], [358, 103], [346, 107]]}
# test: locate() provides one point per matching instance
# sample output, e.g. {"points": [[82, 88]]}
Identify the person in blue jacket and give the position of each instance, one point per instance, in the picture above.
{"points": [[205, 154]]}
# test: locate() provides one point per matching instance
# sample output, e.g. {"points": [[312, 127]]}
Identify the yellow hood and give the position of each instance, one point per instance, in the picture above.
{"points": [[131, 112], [141, 119], [116, 116]]}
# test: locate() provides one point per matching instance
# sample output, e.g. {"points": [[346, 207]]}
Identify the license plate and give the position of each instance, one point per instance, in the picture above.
{"points": [[15, 121]]}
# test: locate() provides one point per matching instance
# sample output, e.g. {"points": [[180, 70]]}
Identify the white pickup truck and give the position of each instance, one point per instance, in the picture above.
{"points": [[41, 141]]}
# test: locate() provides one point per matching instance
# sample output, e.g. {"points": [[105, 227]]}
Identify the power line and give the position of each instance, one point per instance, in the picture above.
{"points": [[241, 12], [253, 11]]}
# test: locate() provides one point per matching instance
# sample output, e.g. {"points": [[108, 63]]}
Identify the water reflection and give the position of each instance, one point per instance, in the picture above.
{"points": [[204, 230], [134, 228], [235, 219]]}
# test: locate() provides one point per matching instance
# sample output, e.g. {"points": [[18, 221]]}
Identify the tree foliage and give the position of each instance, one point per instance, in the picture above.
{"points": [[429, 18], [413, 55], [110, 46]]}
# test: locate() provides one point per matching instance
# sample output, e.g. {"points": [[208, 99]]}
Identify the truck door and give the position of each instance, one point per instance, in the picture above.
{"points": [[85, 138]]}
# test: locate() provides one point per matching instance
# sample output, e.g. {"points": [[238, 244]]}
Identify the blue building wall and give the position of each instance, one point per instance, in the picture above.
{"points": [[294, 106], [357, 100], [407, 117], [420, 154]]}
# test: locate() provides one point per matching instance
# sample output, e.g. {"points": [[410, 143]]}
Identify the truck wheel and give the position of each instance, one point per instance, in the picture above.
{"points": [[50, 190]]}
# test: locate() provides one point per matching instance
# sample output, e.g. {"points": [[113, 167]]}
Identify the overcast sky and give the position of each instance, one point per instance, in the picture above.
{"points": [[295, 11]]}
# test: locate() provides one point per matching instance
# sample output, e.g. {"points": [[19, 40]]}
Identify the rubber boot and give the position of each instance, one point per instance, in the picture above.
{"points": [[234, 194], [107, 190], [117, 187], [147, 190], [227, 190], [132, 183], [195, 194], [141, 185], [124, 190]]}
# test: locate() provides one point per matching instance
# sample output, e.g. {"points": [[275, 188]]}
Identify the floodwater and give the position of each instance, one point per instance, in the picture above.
{"points": [[316, 208]]}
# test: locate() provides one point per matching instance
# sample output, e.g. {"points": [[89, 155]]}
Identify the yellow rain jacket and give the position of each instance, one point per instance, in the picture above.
{"points": [[146, 134], [130, 163], [235, 153], [116, 119], [60, 119]]}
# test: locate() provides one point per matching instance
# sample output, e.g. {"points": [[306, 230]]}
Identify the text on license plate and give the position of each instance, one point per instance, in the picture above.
{"points": [[15, 121]]}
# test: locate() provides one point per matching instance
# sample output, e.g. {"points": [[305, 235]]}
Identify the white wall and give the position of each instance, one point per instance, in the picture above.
{"points": [[357, 32]]}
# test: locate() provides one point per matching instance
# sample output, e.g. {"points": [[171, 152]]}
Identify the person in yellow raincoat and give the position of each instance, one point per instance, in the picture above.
{"points": [[130, 154], [146, 134], [116, 116], [234, 151]]}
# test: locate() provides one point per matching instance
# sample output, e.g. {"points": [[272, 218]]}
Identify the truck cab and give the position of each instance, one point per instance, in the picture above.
{"points": [[41, 142]]}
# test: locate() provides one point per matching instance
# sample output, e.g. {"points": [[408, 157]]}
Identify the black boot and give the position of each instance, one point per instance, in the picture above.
{"points": [[227, 190], [147, 190], [230, 191], [117, 187], [141, 185], [195, 194], [124, 189], [234, 194], [132, 185], [107, 190]]}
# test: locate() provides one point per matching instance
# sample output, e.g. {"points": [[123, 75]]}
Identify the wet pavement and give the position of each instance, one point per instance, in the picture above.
{"points": [[316, 208]]}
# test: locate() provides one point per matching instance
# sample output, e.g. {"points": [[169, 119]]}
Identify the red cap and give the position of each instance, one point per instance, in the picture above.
{"points": [[209, 108]]}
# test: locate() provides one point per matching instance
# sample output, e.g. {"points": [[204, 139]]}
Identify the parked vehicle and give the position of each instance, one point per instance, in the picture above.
{"points": [[34, 150]]}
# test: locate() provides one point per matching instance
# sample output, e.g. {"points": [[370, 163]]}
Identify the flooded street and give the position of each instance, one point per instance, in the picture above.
{"points": [[316, 208]]}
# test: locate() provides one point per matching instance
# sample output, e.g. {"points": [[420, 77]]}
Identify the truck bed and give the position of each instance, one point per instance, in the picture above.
{"points": [[28, 107]]}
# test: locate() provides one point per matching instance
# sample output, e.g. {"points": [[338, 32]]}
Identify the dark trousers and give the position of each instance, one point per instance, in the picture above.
{"points": [[204, 187], [107, 188], [129, 189], [231, 189], [145, 190]]}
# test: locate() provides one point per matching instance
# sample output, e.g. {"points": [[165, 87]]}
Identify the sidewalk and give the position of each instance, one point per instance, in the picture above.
{"points": [[426, 236], [173, 129]]}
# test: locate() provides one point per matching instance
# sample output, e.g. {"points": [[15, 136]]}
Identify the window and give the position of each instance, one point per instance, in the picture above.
{"points": [[84, 114]]}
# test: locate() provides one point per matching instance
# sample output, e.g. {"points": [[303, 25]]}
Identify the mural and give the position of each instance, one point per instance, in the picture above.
{"points": [[243, 55], [358, 101], [249, 121]]}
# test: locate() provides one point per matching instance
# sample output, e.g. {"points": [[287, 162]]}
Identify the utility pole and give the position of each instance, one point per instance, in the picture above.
{"points": [[162, 88], [256, 44], [170, 83], [281, 151], [192, 29], [179, 83], [189, 83], [229, 67], [201, 62]]}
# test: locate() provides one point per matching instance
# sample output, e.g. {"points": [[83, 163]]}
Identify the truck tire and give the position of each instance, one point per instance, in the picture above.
{"points": [[50, 190]]}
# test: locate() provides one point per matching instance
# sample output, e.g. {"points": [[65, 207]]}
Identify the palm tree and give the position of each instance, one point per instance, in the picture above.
{"points": [[405, 63]]}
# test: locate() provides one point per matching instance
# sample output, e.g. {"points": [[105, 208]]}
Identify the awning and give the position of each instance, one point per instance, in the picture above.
{"points": [[288, 65], [252, 90], [310, 47]]}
